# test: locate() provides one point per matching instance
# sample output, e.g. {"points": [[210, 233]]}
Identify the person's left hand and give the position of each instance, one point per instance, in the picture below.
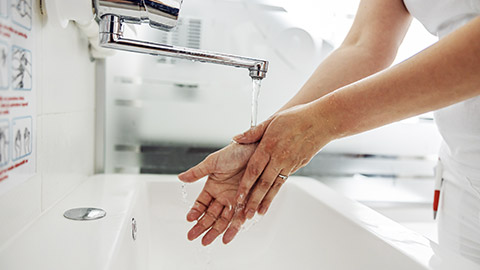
{"points": [[215, 206], [288, 141]]}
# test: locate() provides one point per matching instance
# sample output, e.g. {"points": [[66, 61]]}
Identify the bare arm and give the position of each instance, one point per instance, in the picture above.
{"points": [[444, 74], [370, 46]]}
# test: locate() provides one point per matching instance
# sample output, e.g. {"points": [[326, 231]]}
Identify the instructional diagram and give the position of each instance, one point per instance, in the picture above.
{"points": [[22, 136], [4, 56], [22, 13], [17, 92], [21, 69], [4, 142]]}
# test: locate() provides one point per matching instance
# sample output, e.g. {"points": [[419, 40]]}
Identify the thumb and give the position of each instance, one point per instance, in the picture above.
{"points": [[201, 170], [252, 135]]}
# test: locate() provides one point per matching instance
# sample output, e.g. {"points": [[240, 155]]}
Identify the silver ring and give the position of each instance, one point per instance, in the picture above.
{"points": [[284, 177]]}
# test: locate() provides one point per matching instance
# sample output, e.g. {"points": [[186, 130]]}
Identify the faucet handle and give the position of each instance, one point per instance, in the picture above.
{"points": [[163, 16], [159, 14]]}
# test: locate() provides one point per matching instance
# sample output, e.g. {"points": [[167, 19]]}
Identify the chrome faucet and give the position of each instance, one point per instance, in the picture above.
{"points": [[113, 14]]}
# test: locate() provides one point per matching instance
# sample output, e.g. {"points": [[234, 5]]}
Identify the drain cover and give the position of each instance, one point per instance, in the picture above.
{"points": [[85, 214]]}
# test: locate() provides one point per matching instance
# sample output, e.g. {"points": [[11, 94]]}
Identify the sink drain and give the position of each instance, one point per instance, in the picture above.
{"points": [[85, 214]]}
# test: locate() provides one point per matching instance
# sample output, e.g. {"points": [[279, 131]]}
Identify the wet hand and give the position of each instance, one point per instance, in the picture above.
{"points": [[288, 141], [214, 208]]}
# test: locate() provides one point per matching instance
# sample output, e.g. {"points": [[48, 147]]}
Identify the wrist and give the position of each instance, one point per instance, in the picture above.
{"points": [[331, 117]]}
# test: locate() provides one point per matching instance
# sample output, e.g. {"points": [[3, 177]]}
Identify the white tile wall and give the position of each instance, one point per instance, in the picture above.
{"points": [[68, 79], [67, 153], [65, 125]]}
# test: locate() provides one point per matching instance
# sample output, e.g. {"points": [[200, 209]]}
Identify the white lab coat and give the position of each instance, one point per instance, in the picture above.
{"points": [[459, 124]]}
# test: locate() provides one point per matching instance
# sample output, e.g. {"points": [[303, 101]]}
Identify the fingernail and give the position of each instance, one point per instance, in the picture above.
{"points": [[250, 214], [263, 210], [194, 233], [184, 176], [238, 137], [229, 235], [207, 240], [190, 214]]}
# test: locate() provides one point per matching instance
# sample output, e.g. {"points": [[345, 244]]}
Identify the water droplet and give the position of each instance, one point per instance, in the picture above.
{"points": [[184, 193], [239, 207], [251, 223]]}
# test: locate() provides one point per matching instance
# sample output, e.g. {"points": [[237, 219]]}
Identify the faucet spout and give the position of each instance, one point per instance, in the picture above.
{"points": [[111, 36]]}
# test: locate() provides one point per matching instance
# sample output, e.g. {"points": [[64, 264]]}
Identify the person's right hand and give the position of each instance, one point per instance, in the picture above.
{"points": [[215, 206], [286, 142]]}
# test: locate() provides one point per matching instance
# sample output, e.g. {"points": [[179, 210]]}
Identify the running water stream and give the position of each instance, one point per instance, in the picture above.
{"points": [[257, 83], [206, 253]]}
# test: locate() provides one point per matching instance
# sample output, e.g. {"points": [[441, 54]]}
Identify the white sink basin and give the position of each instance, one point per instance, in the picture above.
{"points": [[308, 227]]}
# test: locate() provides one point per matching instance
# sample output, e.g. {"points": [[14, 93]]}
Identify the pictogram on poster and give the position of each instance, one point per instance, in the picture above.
{"points": [[17, 93]]}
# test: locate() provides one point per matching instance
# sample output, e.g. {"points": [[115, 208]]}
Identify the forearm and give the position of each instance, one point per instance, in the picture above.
{"points": [[444, 74], [370, 46], [347, 64]]}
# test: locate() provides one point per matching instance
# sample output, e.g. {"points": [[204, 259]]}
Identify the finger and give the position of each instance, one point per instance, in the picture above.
{"points": [[201, 170], [219, 227], [237, 222], [267, 201], [252, 135], [261, 189], [199, 207], [206, 221], [255, 167]]}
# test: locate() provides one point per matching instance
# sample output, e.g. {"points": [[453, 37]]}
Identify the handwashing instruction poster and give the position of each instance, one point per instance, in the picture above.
{"points": [[17, 93]]}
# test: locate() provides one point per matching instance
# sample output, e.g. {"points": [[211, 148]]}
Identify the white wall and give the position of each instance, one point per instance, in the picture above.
{"points": [[65, 125]]}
